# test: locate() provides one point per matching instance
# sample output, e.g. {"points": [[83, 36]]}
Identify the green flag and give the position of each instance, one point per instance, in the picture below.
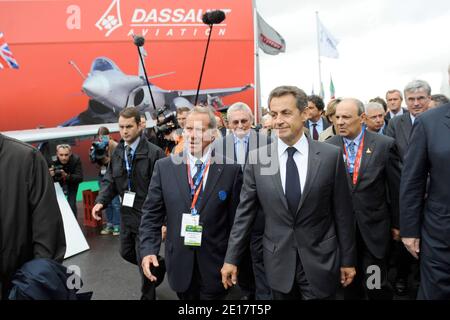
{"points": [[332, 92]]}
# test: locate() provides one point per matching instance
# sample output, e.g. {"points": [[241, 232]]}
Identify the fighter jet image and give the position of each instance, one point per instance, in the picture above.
{"points": [[110, 90]]}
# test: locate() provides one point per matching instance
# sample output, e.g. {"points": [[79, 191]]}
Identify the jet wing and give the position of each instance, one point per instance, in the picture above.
{"points": [[222, 92], [39, 135]]}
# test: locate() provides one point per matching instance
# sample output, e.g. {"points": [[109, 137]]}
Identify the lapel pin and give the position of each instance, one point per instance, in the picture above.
{"points": [[368, 151]]}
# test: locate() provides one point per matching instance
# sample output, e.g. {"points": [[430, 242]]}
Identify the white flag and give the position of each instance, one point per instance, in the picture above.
{"points": [[270, 41], [327, 43]]}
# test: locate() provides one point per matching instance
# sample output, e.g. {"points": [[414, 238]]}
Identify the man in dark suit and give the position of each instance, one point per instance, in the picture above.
{"points": [[237, 144], [373, 174], [128, 175], [316, 122], [300, 185], [196, 193], [417, 96], [374, 117], [425, 212], [394, 99]]}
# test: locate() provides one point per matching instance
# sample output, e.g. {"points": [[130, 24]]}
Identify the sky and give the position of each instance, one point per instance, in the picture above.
{"points": [[383, 44]]}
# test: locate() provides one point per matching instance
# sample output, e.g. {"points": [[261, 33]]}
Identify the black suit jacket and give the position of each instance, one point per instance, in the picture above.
{"points": [[428, 217], [168, 198], [326, 124], [400, 128], [375, 195], [321, 232], [387, 117]]}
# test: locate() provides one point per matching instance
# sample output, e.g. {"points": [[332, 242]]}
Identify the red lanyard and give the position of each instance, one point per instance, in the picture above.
{"points": [[357, 163], [191, 183]]}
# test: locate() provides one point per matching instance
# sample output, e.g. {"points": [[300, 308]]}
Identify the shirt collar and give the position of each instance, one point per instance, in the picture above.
{"points": [[412, 118], [319, 122], [301, 145], [357, 140], [134, 145], [203, 159], [244, 138]]}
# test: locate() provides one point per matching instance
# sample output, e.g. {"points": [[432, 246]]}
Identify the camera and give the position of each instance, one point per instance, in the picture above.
{"points": [[57, 168], [166, 121], [99, 150]]}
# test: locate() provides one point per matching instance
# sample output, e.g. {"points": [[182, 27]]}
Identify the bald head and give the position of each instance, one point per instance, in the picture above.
{"points": [[349, 118]]}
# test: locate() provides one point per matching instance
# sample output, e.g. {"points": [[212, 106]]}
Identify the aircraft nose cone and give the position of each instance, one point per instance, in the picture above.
{"points": [[96, 87]]}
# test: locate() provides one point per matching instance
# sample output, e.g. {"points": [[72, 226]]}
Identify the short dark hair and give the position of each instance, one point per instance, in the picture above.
{"points": [[318, 101], [380, 101], [131, 112], [183, 109], [299, 95], [440, 99]]}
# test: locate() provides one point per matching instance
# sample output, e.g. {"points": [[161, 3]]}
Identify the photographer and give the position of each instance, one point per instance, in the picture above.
{"points": [[100, 154], [68, 172]]}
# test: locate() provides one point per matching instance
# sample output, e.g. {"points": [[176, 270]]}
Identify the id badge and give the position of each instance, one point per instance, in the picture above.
{"points": [[128, 199], [188, 219], [103, 171], [193, 236]]}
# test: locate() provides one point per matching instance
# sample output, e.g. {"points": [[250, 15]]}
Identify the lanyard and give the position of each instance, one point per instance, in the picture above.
{"points": [[357, 163], [196, 186], [129, 167]]}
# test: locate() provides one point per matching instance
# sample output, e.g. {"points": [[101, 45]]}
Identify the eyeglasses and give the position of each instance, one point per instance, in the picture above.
{"points": [[243, 121]]}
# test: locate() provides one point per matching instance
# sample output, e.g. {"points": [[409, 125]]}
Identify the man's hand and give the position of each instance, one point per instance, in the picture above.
{"points": [[229, 275], [96, 210], [147, 262], [347, 275], [395, 234], [52, 171], [163, 232], [413, 246]]}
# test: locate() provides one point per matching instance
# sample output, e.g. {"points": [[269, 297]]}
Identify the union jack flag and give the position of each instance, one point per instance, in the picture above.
{"points": [[6, 56]]}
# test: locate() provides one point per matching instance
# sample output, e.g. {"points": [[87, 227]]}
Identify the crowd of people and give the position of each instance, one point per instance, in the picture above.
{"points": [[318, 199]]}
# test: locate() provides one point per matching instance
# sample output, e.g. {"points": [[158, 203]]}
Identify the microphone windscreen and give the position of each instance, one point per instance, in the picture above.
{"points": [[139, 41], [213, 17]]}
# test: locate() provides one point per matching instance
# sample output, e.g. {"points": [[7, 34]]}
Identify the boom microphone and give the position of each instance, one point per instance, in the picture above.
{"points": [[213, 17], [210, 18], [139, 42]]}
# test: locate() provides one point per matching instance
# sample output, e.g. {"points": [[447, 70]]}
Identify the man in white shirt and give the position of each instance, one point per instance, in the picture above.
{"points": [[300, 185]]}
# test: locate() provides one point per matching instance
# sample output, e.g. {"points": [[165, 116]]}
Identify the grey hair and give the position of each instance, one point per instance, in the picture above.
{"points": [[394, 91], [416, 85], [239, 106], [207, 111], [266, 117], [372, 106], [358, 103]]}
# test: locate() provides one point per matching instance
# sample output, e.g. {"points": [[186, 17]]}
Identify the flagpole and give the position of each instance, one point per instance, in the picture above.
{"points": [[318, 50], [257, 90]]}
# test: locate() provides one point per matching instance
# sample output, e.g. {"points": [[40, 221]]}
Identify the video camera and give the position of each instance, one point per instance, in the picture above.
{"points": [[166, 121], [99, 150]]}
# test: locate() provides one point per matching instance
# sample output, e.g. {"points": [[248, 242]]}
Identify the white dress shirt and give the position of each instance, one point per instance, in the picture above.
{"points": [[193, 168], [412, 118], [319, 126], [300, 158], [399, 113], [133, 146]]}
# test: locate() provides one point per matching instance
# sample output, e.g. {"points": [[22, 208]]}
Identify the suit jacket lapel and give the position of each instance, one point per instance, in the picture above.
{"points": [[276, 178], [214, 173], [182, 181], [366, 157], [406, 126], [313, 169]]}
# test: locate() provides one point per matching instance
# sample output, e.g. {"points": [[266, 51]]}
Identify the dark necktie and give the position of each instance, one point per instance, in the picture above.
{"points": [[315, 132], [198, 166], [292, 187], [129, 151]]}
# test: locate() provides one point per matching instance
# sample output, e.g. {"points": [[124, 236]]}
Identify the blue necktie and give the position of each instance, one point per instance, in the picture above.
{"points": [[315, 132], [351, 156], [292, 187]]}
